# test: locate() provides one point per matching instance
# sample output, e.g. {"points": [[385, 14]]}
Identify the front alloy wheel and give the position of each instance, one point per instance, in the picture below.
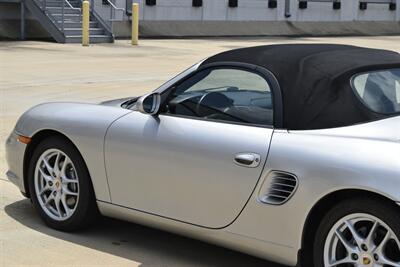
{"points": [[60, 186], [56, 184]]}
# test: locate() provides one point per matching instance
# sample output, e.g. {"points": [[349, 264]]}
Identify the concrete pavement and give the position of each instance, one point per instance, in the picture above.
{"points": [[26, 241], [36, 72]]}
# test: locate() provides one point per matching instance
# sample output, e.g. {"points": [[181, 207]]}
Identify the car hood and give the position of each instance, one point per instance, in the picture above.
{"points": [[386, 129], [67, 116]]}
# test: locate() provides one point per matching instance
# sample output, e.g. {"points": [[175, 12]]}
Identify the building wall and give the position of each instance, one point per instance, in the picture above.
{"points": [[257, 10], [251, 17]]}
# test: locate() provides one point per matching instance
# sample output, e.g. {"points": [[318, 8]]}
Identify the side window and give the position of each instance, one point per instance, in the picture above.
{"points": [[379, 90], [225, 94]]}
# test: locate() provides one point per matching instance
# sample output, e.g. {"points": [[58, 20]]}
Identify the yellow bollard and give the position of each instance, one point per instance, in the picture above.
{"points": [[135, 24], [85, 22]]}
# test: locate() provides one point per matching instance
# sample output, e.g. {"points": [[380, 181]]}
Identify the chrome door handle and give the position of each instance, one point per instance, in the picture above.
{"points": [[251, 160]]}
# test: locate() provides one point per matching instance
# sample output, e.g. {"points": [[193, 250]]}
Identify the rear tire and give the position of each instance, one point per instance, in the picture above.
{"points": [[366, 217], [60, 185]]}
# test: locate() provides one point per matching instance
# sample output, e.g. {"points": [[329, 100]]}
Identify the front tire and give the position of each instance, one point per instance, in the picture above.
{"points": [[359, 232], [60, 185]]}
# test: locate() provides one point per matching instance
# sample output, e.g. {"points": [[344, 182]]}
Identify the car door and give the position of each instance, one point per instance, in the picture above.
{"points": [[200, 159]]}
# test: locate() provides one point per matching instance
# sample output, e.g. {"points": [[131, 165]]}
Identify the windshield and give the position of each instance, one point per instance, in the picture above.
{"points": [[379, 90]]}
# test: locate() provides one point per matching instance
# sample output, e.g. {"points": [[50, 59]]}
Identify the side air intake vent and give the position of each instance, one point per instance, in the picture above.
{"points": [[279, 187]]}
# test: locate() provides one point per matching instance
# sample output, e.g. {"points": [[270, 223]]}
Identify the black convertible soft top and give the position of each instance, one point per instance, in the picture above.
{"points": [[315, 80]]}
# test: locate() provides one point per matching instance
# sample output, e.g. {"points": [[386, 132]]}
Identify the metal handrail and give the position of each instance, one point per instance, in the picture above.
{"points": [[115, 8], [72, 7], [102, 21], [44, 8]]}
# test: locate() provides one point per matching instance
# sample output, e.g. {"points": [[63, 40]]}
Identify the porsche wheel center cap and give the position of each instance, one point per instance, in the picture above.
{"points": [[57, 184], [366, 260]]}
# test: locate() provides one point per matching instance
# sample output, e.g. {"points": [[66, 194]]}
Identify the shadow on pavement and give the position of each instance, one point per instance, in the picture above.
{"points": [[141, 244]]}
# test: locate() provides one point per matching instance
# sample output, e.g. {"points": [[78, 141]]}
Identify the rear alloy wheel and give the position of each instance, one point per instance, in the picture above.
{"points": [[361, 240], [60, 185], [367, 236]]}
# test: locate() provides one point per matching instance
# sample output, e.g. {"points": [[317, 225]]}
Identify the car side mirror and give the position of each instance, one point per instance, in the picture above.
{"points": [[149, 104]]}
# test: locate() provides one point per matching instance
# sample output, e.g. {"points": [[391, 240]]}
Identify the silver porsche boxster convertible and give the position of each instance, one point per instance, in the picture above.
{"points": [[286, 152]]}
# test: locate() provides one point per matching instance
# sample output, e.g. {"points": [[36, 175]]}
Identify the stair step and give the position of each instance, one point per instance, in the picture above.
{"points": [[93, 39], [78, 31], [69, 15], [59, 5], [91, 29], [51, 4], [58, 10], [71, 2], [68, 24], [59, 2], [91, 36], [69, 18], [54, 5]]}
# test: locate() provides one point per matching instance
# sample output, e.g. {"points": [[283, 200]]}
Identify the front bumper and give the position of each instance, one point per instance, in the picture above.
{"points": [[15, 151]]}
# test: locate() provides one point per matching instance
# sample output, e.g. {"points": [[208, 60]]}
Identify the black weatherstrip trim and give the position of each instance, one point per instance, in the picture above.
{"points": [[266, 74]]}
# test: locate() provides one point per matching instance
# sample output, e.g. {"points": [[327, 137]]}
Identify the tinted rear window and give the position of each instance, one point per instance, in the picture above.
{"points": [[379, 90]]}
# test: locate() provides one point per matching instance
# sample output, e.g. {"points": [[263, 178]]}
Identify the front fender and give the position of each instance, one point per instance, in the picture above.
{"points": [[85, 125]]}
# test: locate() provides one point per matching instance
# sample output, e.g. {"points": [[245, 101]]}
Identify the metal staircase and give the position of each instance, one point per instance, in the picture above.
{"points": [[63, 20]]}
